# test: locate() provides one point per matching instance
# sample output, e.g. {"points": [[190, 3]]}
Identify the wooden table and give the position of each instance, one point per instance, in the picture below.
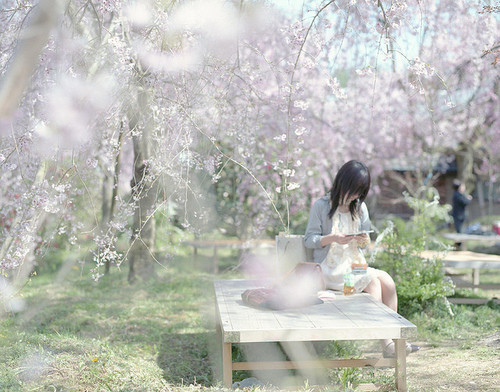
{"points": [[473, 260], [228, 244], [465, 259], [355, 317]]}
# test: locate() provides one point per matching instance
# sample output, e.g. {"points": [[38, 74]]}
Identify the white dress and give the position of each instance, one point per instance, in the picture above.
{"points": [[340, 257]]}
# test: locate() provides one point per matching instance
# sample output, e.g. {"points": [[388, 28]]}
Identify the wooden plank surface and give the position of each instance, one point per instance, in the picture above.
{"points": [[231, 244], [343, 318], [472, 301], [233, 314], [464, 259], [314, 364], [460, 237]]}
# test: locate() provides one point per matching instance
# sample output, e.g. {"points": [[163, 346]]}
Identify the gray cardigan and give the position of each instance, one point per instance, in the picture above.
{"points": [[320, 224]]}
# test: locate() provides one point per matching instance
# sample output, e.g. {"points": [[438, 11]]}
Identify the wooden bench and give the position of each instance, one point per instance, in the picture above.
{"points": [[470, 260], [227, 244], [465, 238], [355, 317]]}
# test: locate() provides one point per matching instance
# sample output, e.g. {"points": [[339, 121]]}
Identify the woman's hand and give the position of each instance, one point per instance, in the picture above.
{"points": [[341, 239], [362, 240]]}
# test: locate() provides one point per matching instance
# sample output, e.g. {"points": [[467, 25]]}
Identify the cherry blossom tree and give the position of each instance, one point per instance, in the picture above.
{"points": [[236, 113], [396, 85]]}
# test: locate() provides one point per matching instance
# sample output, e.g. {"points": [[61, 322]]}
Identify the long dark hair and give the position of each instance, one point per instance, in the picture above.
{"points": [[353, 177]]}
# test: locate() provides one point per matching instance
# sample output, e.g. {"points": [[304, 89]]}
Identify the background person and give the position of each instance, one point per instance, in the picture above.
{"points": [[459, 203]]}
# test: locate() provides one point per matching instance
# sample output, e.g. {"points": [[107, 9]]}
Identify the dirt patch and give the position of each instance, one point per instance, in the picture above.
{"points": [[453, 369], [492, 340]]}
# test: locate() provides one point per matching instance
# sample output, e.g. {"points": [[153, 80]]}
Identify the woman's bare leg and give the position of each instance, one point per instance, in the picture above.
{"points": [[383, 289], [389, 294], [374, 288]]}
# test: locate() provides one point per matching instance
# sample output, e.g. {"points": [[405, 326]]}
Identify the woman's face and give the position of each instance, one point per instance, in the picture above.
{"points": [[348, 199]]}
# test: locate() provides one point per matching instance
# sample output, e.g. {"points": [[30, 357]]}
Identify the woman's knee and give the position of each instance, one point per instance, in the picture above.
{"points": [[386, 280], [374, 287]]}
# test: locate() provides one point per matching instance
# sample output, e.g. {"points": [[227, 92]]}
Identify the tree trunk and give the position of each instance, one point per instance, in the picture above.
{"points": [[31, 43], [26, 267], [109, 193], [465, 166], [107, 190], [142, 247]]}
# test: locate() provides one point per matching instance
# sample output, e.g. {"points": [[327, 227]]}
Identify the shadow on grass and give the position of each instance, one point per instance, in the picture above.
{"points": [[166, 321], [185, 358]]}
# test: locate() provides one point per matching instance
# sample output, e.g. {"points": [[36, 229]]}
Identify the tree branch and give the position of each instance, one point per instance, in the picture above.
{"points": [[31, 43]]}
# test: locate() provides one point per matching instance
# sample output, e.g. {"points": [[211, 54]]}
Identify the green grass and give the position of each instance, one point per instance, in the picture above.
{"points": [[79, 335]]}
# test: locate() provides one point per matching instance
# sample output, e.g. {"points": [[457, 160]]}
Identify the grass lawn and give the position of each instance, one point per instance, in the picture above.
{"points": [[79, 335]]}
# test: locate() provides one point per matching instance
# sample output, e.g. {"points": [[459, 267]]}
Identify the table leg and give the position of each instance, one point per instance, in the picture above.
{"points": [[475, 278], [400, 365], [227, 365]]}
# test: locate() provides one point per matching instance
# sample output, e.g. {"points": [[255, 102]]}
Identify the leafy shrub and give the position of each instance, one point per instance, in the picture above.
{"points": [[420, 283]]}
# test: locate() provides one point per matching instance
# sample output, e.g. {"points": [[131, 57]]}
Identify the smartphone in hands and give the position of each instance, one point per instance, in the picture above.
{"points": [[359, 233]]}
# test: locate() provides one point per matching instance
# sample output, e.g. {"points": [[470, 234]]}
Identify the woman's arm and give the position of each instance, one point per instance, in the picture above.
{"points": [[315, 236], [338, 238], [364, 219], [364, 225], [314, 231]]}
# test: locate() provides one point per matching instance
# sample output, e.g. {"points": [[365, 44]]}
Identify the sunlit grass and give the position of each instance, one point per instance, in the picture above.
{"points": [[77, 334], [81, 335]]}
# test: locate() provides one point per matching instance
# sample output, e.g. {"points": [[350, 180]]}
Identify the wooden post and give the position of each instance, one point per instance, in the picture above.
{"points": [[475, 278], [220, 339], [400, 365], [227, 365]]}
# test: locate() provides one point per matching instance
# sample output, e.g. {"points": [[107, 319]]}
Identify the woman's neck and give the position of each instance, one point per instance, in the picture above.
{"points": [[343, 208]]}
